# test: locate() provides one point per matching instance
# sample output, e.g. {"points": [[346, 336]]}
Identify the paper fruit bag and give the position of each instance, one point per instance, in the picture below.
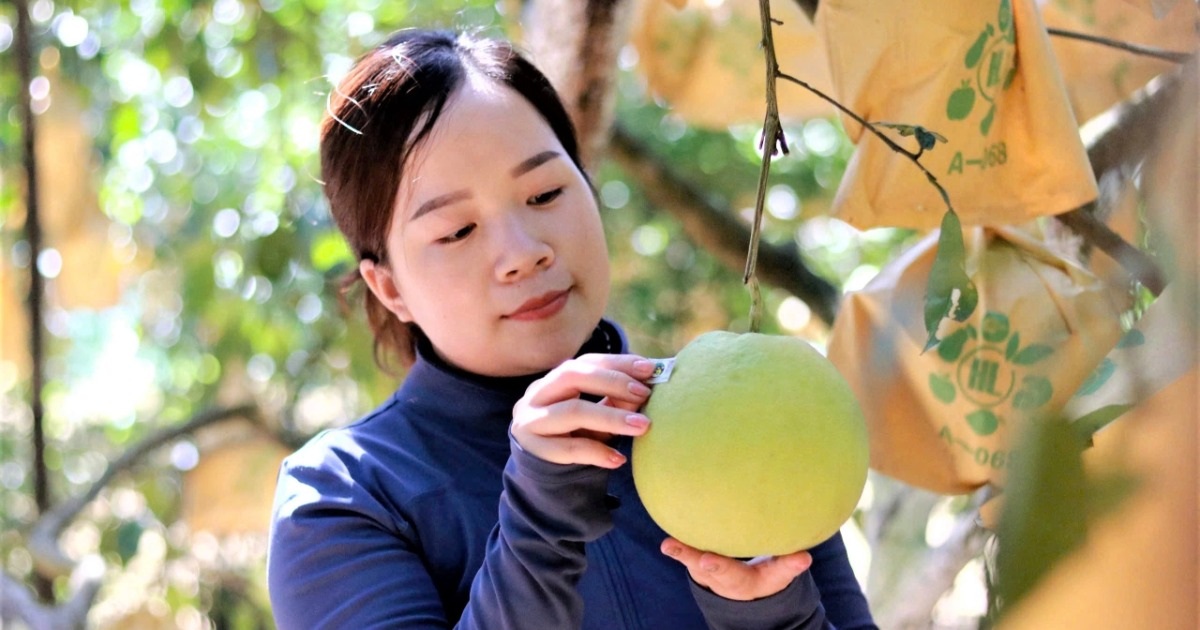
{"points": [[706, 60], [1098, 77], [942, 420], [981, 75]]}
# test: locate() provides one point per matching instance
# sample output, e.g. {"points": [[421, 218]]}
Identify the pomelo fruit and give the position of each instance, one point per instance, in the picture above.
{"points": [[756, 446]]}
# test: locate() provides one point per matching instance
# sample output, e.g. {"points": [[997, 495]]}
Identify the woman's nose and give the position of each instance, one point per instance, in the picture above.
{"points": [[522, 252]]}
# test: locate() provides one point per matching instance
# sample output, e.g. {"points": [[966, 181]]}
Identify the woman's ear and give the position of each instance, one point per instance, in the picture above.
{"points": [[380, 281]]}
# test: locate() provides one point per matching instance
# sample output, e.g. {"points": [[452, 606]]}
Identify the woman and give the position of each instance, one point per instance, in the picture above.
{"points": [[492, 490]]}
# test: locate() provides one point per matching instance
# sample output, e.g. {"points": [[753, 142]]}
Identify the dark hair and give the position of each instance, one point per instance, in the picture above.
{"points": [[380, 113]]}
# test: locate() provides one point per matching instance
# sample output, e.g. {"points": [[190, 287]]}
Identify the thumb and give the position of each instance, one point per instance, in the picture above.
{"points": [[781, 570]]}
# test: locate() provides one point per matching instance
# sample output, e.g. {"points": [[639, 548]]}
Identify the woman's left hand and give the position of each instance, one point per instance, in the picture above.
{"points": [[736, 579]]}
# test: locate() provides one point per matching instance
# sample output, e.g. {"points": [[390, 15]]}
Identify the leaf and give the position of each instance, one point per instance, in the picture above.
{"points": [[1098, 378], [1045, 507], [1087, 425], [1013, 344], [129, 535], [1132, 339], [951, 347], [329, 250], [1032, 354], [1108, 492], [947, 278]]}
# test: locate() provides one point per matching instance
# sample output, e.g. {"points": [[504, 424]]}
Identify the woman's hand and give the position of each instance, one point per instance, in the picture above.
{"points": [[735, 579], [553, 423]]}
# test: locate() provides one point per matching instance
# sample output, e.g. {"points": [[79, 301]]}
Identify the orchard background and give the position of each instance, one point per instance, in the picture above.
{"points": [[169, 327]]}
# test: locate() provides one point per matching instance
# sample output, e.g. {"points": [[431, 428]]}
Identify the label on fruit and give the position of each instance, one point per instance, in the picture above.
{"points": [[662, 371]]}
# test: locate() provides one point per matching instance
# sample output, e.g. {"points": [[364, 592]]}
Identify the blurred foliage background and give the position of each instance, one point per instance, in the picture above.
{"points": [[192, 266]]}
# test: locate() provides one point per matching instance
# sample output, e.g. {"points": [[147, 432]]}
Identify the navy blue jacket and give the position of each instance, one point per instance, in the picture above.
{"points": [[425, 514]]}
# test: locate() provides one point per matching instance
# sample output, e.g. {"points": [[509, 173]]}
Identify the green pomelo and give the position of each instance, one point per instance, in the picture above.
{"points": [[756, 446]]}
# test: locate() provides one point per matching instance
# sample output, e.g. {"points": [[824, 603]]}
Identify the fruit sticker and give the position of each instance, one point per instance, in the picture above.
{"points": [[662, 371], [987, 368]]}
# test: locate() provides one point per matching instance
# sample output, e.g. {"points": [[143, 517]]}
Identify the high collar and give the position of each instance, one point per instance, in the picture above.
{"points": [[431, 375]]}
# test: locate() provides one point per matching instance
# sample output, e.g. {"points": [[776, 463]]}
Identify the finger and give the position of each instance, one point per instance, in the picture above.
{"points": [[616, 376], [574, 450], [568, 416], [622, 404], [772, 574], [686, 555]]}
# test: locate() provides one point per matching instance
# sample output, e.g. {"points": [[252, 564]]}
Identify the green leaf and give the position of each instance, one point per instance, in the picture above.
{"points": [[1045, 507], [948, 277], [129, 535], [1087, 425], [329, 250], [951, 347], [1032, 354], [1098, 378], [1132, 339], [1108, 492]]}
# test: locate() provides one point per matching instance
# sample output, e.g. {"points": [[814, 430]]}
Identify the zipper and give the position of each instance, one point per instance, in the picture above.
{"points": [[619, 585]]}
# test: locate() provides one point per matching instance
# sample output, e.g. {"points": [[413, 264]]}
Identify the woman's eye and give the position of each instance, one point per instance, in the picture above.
{"points": [[545, 198], [459, 235]]}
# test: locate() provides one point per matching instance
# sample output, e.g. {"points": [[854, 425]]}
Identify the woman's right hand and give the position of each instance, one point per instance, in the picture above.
{"points": [[553, 423]]}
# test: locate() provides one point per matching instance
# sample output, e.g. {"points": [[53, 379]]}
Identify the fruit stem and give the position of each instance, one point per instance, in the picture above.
{"points": [[772, 140]]}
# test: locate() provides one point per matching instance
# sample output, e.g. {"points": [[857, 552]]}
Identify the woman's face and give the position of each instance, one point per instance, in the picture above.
{"points": [[495, 247]]}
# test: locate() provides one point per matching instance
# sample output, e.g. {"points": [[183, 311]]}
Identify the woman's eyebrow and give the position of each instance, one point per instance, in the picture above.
{"points": [[534, 162], [439, 201]]}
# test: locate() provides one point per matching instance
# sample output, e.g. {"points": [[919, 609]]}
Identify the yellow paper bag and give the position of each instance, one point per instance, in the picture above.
{"points": [[1098, 77], [942, 420], [982, 75], [705, 59]]}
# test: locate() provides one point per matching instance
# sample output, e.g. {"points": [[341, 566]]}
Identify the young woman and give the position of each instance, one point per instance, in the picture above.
{"points": [[492, 490]]}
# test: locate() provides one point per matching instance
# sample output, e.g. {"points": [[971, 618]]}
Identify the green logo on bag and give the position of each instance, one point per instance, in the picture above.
{"points": [[984, 371], [993, 58]]}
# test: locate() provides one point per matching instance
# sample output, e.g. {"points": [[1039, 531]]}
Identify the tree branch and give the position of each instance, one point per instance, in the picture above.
{"points": [[935, 573], [1118, 139], [1137, 49], [18, 604], [33, 236], [49, 558], [576, 44], [717, 229]]}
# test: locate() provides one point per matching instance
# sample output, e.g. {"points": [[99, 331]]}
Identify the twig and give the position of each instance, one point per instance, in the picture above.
{"points": [[1137, 49], [33, 236], [48, 557], [772, 140], [913, 156]]}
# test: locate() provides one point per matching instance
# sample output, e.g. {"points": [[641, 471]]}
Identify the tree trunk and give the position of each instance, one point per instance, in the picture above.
{"points": [[576, 45]]}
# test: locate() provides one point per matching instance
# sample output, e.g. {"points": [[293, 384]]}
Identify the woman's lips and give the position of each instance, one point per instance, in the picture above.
{"points": [[541, 307]]}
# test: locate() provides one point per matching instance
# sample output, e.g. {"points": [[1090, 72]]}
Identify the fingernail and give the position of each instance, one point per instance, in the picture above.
{"points": [[616, 458], [639, 389], [710, 567], [644, 367], [672, 550], [637, 420]]}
